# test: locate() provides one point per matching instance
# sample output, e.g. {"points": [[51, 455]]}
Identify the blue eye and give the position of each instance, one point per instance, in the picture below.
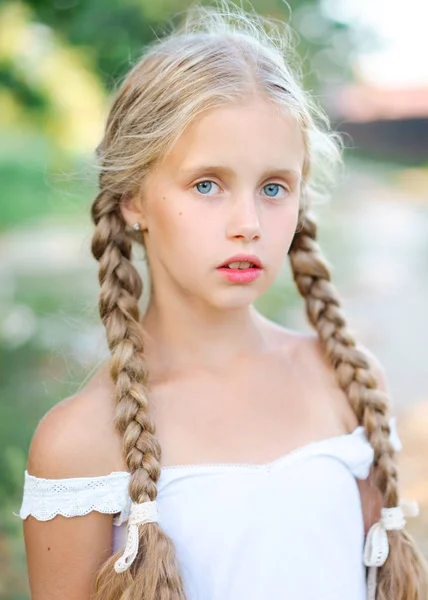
{"points": [[204, 187], [273, 189]]}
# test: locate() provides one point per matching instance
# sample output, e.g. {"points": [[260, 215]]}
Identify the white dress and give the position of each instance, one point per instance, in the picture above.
{"points": [[292, 528]]}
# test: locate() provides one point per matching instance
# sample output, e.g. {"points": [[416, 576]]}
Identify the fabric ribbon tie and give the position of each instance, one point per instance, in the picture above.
{"points": [[145, 512], [376, 548]]}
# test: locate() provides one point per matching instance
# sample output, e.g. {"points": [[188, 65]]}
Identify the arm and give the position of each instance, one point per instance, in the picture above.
{"points": [[64, 555], [75, 439]]}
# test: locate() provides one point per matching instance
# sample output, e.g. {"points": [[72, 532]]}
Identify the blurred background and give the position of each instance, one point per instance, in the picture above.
{"points": [[365, 60]]}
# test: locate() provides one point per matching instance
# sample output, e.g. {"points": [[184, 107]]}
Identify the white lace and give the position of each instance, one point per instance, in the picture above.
{"points": [[376, 548], [144, 512], [46, 498]]}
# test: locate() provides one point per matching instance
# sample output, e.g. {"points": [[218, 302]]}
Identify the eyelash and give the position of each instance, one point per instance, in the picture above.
{"points": [[286, 189]]}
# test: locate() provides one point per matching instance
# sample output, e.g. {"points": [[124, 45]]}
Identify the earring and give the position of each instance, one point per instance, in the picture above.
{"points": [[136, 226]]}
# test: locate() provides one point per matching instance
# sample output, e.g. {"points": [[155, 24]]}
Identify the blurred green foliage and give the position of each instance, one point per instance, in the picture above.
{"points": [[115, 31], [35, 183], [110, 35]]}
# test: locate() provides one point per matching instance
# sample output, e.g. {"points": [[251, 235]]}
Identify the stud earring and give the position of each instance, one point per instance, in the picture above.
{"points": [[136, 226]]}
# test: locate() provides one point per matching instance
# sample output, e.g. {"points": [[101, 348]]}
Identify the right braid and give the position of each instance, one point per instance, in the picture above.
{"points": [[404, 575], [154, 575]]}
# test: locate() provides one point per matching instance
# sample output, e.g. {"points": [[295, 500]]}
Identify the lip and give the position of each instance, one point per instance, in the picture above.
{"points": [[241, 275], [251, 258]]}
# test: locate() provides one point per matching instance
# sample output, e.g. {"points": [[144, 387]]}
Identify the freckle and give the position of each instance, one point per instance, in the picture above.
{"points": [[180, 213]]}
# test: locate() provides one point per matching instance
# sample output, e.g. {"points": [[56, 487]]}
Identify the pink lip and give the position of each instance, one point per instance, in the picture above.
{"points": [[242, 275]]}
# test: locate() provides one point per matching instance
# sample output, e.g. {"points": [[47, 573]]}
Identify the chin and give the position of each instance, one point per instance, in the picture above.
{"points": [[235, 297]]}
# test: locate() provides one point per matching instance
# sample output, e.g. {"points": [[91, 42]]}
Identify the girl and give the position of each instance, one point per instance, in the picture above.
{"points": [[217, 455]]}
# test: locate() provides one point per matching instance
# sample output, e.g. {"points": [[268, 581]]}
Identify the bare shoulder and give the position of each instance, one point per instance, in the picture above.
{"points": [[77, 437], [319, 374], [311, 346]]}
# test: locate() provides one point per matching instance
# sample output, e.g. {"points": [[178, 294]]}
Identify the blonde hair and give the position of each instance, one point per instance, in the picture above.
{"points": [[215, 57]]}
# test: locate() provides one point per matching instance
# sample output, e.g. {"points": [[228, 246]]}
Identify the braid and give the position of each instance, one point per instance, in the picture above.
{"points": [[154, 574], [404, 576]]}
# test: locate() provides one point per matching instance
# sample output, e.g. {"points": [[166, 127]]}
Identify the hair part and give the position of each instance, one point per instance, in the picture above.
{"points": [[219, 56]]}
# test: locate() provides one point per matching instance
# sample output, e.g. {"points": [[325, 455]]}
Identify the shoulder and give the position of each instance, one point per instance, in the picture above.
{"points": [[77, 437], [321, 379], [309, 350], [311, 347]]}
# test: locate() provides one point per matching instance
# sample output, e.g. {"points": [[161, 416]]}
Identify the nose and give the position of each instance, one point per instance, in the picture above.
{"points": [[243, 219]]}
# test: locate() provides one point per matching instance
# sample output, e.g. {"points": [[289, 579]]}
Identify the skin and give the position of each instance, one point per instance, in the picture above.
{"points": [[220, 374]]}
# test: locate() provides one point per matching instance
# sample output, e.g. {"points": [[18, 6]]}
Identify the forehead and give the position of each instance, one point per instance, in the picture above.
{"points": [[242, 136]]}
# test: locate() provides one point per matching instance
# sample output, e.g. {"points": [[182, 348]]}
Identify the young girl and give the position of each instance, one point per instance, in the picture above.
{"points": [[217, 455]]}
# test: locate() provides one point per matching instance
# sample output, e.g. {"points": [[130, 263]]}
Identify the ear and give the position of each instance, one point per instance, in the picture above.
{"points": [[133, 212]]}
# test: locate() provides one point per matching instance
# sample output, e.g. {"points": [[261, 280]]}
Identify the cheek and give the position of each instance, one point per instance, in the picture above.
{"points": [[162, 229], [281, 225], [178, 227]]}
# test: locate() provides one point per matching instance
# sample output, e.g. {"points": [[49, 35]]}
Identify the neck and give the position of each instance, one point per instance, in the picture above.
{"points": [[188, 336]]}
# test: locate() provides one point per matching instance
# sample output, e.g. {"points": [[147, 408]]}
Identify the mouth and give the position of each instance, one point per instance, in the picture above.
{"points": [[241, 269], [242, 262], [240, 266]]}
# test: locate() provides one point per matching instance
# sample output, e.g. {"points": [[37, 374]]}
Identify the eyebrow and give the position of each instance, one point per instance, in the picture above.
{"points": [[269, 171]]}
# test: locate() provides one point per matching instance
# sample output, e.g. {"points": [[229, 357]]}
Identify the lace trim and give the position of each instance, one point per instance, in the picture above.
{"points": [[78, 496]]}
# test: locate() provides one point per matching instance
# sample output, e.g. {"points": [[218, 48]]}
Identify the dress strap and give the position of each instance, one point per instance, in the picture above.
{"points": [[78, 496]]}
